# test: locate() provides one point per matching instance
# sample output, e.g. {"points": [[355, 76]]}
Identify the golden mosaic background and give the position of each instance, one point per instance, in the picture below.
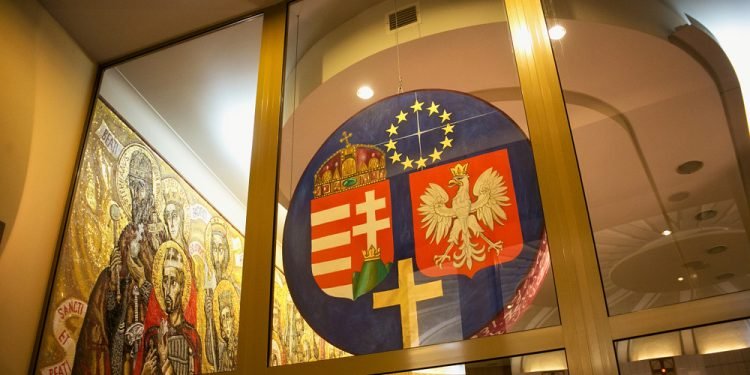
{"points": [[90, 232]]}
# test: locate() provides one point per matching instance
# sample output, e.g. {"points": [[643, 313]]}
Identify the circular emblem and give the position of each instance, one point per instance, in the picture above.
{"points": [[414, 223]]}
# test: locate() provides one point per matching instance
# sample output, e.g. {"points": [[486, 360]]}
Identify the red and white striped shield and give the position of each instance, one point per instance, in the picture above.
{"points": [[344, 227]]}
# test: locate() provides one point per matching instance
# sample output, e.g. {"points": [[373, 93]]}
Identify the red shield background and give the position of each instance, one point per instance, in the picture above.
{"points": [[509, 232], [339, 278]]}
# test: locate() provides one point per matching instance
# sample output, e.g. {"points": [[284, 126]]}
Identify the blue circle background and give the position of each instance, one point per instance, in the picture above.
{"points": [[355, 326]]}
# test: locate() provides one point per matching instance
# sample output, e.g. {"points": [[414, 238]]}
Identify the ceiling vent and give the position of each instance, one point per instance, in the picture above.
{"points": [[403, 17]]}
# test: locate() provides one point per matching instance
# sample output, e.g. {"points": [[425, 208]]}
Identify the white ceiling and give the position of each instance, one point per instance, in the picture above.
{"points": [[110, 29], [204, 90]]}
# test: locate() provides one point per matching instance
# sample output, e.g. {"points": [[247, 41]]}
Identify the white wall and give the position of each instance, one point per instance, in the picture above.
{"points": [[137, 112], [46, 86]]}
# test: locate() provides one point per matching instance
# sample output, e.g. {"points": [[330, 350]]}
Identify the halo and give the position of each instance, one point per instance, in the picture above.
{"points": [[121, 179], [216, 224], [226, 286], [172, 189], [158, 274]]}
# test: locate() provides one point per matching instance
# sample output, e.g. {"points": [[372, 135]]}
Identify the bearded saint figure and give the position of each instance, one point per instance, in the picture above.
{"points": [[172, 347], [113, 326]]}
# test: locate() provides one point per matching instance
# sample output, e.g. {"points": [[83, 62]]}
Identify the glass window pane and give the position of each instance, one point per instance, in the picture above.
{"points": [[547, 363], [151, 258], [658, 151], [408, 201], [715, 349]]}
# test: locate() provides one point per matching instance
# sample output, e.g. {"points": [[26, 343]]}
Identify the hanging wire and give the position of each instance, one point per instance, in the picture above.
{"points": [[398, 52]]}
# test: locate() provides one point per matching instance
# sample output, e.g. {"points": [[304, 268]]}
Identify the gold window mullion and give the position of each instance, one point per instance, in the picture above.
{"points": [[261, 208], [586, 331]]}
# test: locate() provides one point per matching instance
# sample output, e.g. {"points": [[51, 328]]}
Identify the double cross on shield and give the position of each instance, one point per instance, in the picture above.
{"points": [[415, 223]]}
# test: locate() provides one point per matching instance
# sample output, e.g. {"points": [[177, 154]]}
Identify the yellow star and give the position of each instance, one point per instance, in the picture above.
{"points": [[421, 163], [446, 143], [395, 158], [433, 108], [445, 116], [448, 128], [435, 155], [417, 106], [407, 163], [401, 117], [393, 130], [391, 145]]}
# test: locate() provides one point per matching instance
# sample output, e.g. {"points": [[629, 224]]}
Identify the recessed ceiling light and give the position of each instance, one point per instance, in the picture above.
{"points": [[705, 215], [680, 278], [716, 249], [689, 167], [666, 232], [365, 92], [557, 32]]}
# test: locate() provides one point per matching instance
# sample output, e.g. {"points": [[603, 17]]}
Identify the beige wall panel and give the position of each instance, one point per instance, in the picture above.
{"points": [[47, 82]]}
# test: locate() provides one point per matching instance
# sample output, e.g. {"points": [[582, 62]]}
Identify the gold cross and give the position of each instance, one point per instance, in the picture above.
{"points": [[406, 297], [345, 137]]}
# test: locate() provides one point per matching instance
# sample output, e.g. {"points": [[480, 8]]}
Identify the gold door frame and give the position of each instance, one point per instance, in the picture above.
{"points": [[587, 333]]}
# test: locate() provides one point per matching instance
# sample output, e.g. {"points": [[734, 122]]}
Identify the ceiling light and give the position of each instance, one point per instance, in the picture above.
{"points": [[666, 232], [365, 92], [557, 32], [663, 345], [509, 306], [722, 337], [544, 362], [689, 167], [706, 215], [680, 278]]}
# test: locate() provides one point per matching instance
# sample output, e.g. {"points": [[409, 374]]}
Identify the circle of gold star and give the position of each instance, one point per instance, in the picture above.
{"points": [[401, 121]]}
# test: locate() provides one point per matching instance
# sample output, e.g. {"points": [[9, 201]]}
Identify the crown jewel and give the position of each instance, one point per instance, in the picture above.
{"points": [[372, 253], [460, 170], [352, 166]]}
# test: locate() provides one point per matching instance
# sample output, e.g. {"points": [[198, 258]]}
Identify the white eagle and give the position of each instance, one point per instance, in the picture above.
{"points": [[460, 221]]}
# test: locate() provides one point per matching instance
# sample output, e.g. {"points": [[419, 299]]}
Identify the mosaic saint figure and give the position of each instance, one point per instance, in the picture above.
{"points": [[173, 346], [226, 308], [219, 255], [175, 212], [113, 326], [278, 352], [298, 352]]}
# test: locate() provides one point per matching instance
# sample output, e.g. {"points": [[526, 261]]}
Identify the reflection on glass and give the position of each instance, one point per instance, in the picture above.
{"points": [[407, 192], [715, 349], [151, 261], [659, 158], [548, 363]]}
